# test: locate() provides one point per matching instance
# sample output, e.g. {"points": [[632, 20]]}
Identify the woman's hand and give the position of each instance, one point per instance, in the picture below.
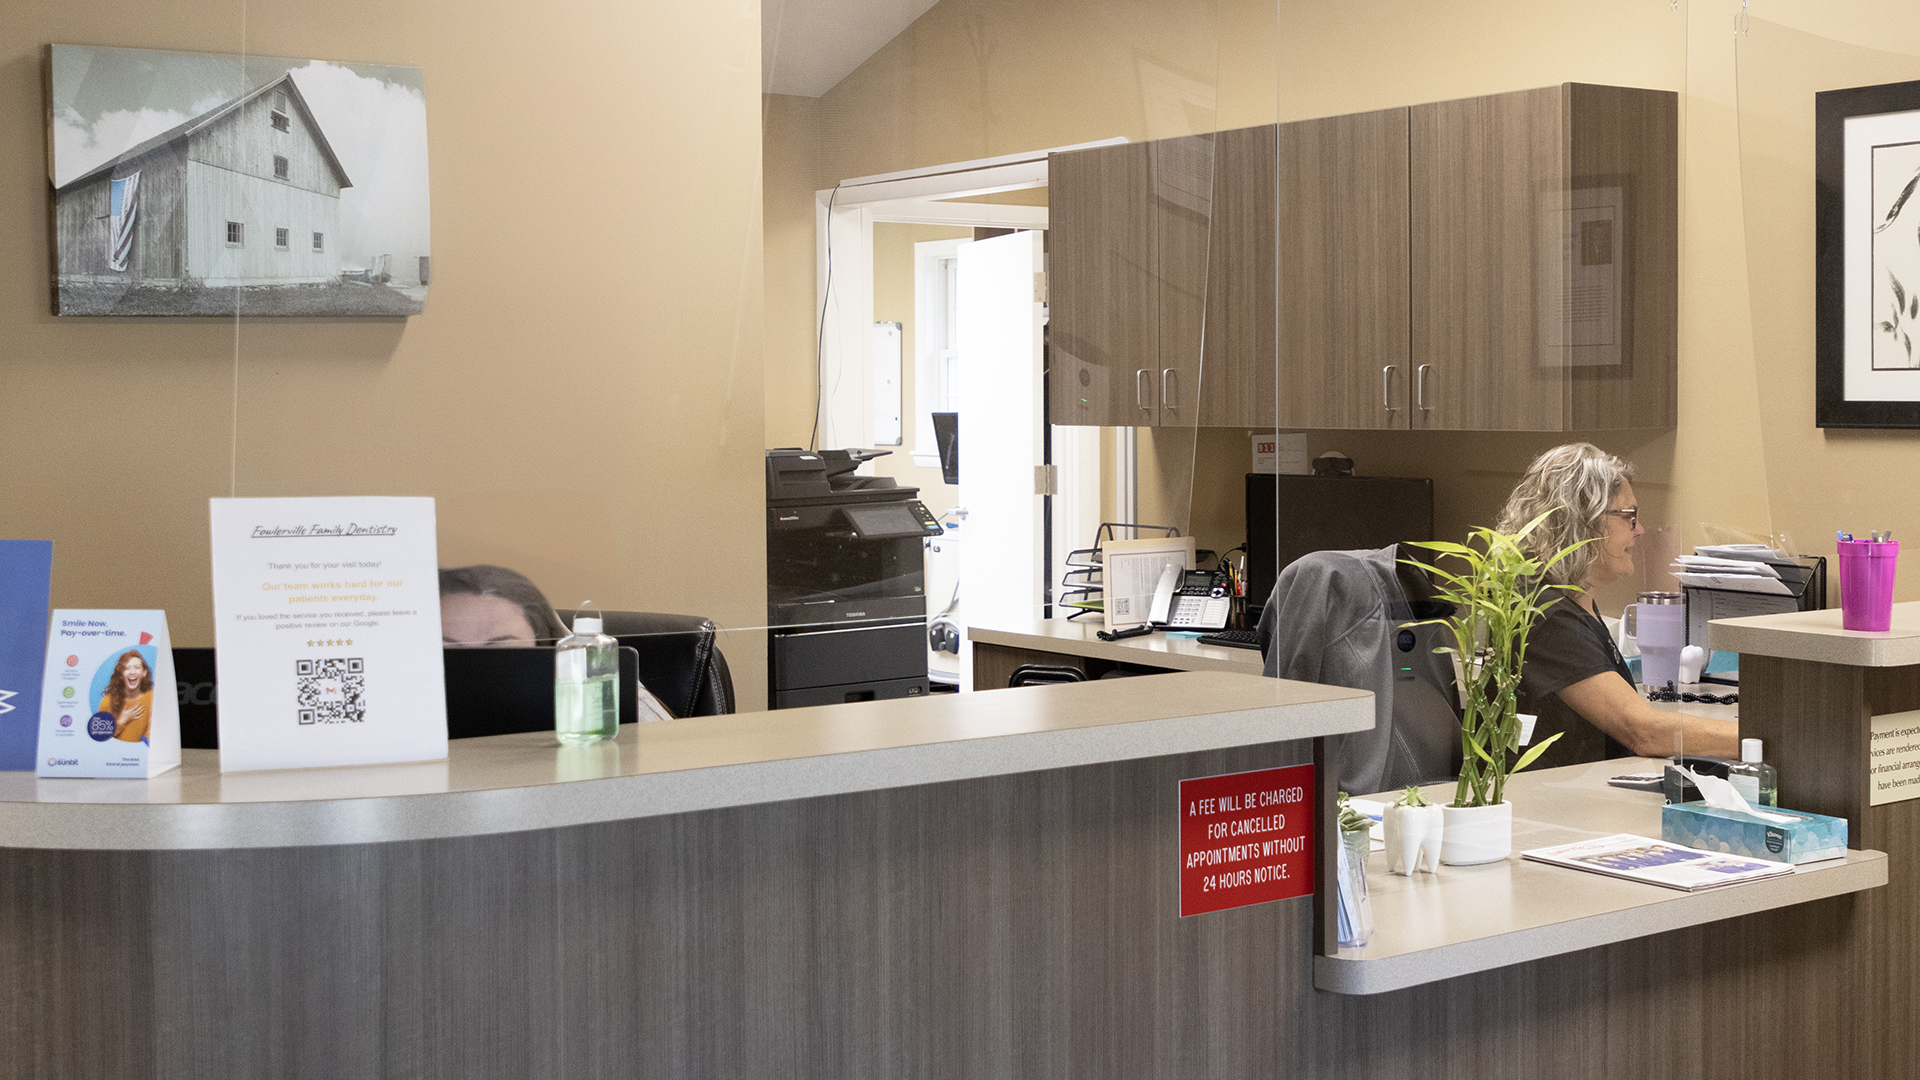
{"points": [[1611, 704]]}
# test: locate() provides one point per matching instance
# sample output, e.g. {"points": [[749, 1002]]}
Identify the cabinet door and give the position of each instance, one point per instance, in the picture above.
{"points": [[1237, 375], [1341, 222], [1103, 287], [1621, 268], [1484, 170], [1183, 201]]}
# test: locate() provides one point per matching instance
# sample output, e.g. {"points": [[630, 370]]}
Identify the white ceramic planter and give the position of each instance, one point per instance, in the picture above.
{"points": [[1477, 834], [1413, 834]]}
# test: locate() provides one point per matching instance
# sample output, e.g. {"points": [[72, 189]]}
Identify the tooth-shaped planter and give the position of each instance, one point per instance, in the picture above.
{"points": [[1413, 833]]}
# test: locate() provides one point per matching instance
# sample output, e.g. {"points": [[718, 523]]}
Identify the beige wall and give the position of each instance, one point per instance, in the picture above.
{"points": [[972, 78], [583, 394]]}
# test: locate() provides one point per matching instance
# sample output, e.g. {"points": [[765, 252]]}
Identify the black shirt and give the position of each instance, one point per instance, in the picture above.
{"points": [[1568, 644]]}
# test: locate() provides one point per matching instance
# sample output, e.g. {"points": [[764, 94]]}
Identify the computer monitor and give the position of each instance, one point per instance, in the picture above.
{"points": [[1289, 516], [946, 439]]}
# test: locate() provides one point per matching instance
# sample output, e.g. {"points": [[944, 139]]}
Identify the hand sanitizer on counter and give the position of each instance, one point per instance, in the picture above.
{"points": [[1755, 780], [586, 691]]}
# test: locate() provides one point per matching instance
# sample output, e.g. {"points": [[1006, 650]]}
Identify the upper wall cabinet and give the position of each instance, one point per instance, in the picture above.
{"points": [[1544, 229], [1503, 262], [1343, 286], [1103, 287], [1161, 265]]}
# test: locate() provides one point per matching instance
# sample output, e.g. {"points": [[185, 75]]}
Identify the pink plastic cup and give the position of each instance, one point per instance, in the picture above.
{"points": [[1866, 583]]}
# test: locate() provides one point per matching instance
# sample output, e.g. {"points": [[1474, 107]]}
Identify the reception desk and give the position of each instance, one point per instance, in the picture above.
{"points": [[972, 885], [980, 884]]}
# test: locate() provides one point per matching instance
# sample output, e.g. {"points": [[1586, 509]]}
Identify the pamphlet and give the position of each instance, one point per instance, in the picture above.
{"points": [[26, 574], [1131, 569], [327, 632], [1656, 862], [108, 706]]}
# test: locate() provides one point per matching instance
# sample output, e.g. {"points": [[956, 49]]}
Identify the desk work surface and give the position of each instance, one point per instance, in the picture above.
{"points": [[1465, 919], [1818, 636], [512, 783], [1076, 638]]}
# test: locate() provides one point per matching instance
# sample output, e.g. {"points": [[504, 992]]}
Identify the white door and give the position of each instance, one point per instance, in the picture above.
{"points": [[1002, 571]]}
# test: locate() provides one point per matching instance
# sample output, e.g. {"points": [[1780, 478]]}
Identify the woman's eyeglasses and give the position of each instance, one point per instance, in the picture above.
{"points": [[1631, 515]]}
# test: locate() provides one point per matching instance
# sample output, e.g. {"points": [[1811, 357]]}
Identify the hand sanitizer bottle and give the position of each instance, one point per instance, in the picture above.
{"points": [[1755, 780], [586, 694]]}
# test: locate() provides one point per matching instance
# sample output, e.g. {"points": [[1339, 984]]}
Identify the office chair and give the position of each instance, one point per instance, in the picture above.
{"points": [[1343, 618], [1045, 675], [680, 660]]}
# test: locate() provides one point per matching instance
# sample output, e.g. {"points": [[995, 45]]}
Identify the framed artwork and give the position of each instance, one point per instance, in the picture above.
{"points": [[1867, 260], [205, 184]]}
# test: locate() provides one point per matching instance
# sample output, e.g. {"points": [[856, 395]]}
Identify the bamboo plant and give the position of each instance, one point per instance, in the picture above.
{"points": [[1495, 589]]}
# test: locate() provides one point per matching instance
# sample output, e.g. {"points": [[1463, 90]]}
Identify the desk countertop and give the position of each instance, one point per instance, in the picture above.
{"points": [[1473, 918], [1818, 636], [511, 783], [1076, 638]]}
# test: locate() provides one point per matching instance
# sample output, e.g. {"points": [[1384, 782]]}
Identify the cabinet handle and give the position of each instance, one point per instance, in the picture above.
{"points": [[1386, 387], [1420, 388], [1139, 389], [1167, 387]]}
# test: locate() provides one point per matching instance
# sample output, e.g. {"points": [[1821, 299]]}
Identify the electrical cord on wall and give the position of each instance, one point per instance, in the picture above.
{"points": [[820, 339]]}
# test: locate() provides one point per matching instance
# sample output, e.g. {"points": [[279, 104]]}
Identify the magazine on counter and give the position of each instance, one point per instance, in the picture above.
{"points": [[1656, 862]]}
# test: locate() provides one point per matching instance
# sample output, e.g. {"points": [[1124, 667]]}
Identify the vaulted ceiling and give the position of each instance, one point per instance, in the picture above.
{"points": [[807, 46]]}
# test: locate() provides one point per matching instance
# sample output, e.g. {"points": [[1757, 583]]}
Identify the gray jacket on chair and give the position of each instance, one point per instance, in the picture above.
{"points": [[1336, 618]]}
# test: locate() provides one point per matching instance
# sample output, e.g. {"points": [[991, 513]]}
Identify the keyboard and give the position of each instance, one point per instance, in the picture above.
{"points": [[1239, 639]]}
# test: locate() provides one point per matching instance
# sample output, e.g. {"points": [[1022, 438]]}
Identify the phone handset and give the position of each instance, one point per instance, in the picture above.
{"points": [[1163, 594]]}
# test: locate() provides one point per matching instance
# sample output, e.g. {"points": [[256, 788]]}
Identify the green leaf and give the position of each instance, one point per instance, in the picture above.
{"points": [[1530, 756]]}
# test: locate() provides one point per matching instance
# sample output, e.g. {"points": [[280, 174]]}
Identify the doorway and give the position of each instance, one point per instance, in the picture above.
{"points": [[1027, 493]]}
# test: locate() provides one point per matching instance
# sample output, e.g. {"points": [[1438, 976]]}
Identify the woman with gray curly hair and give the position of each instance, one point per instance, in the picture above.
{"points": [[1574, 679]]}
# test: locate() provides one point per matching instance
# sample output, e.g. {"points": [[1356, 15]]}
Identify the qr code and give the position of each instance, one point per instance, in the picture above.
{"points": [[331, 691]]}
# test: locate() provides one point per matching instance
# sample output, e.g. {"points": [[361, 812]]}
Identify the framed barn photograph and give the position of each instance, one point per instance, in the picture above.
{"points": [[202, 184], [1867, 221]]}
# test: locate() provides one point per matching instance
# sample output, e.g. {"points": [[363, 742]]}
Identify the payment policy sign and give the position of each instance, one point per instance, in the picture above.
{"points": [[1893, 756], [1245, 838]]}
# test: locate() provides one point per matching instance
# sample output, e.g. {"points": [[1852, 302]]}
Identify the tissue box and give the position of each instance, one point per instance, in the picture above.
{"points": [[1808, 838]]}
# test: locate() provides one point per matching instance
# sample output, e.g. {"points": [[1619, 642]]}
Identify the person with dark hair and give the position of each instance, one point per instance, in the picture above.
{"points": [[492, 605], [129, 697], [1574, 678]]}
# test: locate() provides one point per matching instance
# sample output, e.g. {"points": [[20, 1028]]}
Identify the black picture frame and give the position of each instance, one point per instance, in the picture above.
{"points": [[1832, 406]]}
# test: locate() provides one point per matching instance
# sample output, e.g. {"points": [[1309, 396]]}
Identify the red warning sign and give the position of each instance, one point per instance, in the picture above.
{"points": [[1245, 838]]}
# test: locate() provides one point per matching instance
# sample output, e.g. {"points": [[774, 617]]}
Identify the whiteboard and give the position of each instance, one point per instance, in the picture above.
{"points": [[886, 384]]}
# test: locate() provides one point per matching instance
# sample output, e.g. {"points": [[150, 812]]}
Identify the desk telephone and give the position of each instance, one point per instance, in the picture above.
{"points": [[1191, 600]]}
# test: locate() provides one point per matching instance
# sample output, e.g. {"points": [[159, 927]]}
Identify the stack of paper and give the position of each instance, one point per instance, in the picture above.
{"points": [[1706, 571], [1656, 862]]}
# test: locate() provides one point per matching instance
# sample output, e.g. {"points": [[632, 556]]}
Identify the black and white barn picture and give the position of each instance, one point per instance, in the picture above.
{"points": [[202, 184]]}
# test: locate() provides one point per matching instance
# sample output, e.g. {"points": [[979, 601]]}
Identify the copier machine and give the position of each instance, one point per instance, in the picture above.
{"points": [[846, 588]]}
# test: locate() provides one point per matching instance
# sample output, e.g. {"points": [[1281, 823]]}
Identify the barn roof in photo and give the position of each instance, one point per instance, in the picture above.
{"points": [[214, 116]]}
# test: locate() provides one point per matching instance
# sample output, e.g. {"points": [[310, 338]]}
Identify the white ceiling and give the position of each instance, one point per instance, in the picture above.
{"points": [[807, 46]]}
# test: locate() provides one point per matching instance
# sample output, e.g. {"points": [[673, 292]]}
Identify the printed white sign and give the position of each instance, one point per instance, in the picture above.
{"points": [[1893, 757], [1281, 452], [327, 632], [108, 706]]}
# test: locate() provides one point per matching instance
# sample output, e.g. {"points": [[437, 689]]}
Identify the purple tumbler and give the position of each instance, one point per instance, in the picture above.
{"points": [[1866, 583]]}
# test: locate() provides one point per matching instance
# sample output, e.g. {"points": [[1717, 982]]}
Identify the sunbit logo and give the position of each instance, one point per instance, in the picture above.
{"points": [[63, 761]]}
